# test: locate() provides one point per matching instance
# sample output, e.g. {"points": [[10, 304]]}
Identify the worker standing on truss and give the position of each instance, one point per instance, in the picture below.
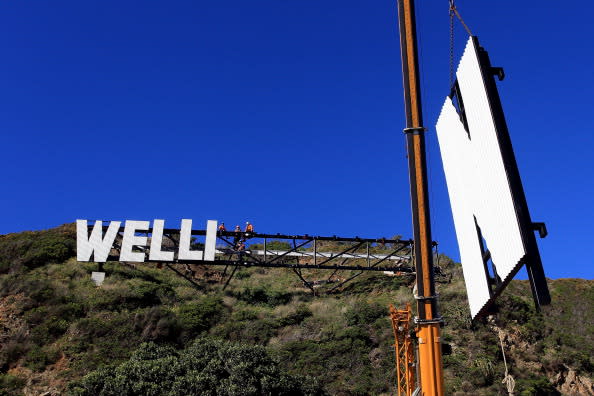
{"points": [[237, 238], [241, 249]]}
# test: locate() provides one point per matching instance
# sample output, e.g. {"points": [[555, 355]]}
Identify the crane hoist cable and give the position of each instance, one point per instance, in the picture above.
{"points": [[454, 12]]}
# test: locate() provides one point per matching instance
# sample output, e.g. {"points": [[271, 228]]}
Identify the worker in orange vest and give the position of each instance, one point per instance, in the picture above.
{"points": [[249, 227], [222, 227]]}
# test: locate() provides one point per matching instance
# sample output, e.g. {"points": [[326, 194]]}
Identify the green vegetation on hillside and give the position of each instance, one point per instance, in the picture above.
{"points": [[206, 367], [149, 331]]}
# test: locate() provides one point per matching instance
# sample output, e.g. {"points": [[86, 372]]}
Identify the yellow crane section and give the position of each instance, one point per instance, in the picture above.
{"points": [[404, 350]]}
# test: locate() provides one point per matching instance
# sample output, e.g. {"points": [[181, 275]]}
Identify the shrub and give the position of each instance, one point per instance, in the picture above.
{"points": [[34, 249], [247, 326], [129, 294], [370, 282], [49, 331], [242, 275], [297, 317], [38, 289], [263, 295], [39, 357], [197, 317], [331, 358], [365, 313], [513, 308], [50, 322], [10, 384], [157, 324], [101, 338], [207, 367], [537, 386], [12, 351]]}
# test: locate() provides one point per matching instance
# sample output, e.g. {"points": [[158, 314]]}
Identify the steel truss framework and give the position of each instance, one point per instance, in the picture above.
{"points": [[404, 350], [297, 252]]}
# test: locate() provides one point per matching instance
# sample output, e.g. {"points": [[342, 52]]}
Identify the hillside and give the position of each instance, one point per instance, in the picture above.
{"points": [[147, 331]]}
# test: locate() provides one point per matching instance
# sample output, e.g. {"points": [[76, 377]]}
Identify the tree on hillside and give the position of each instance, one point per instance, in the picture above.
{"points": [[207, 367]]}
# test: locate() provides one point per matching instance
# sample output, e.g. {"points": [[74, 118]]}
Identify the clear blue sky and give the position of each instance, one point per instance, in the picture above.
{"points": [[285, 113]]}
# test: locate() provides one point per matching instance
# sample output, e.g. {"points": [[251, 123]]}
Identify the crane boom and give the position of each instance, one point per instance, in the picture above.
{"points": [[428, 321]]}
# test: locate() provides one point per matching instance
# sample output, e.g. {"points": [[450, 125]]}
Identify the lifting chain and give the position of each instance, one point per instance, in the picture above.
{"points": [[451, 43], [454, 12]]}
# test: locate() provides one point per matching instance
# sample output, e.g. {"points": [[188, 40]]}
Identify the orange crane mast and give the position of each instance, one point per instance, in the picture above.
{"points": [[428, 321]]}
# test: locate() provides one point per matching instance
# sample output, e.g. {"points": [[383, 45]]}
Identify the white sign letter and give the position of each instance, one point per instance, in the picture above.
{"points": [[95, 244], [156, 254], [185, 238], [211, 240], [130, 240], [480, 193]]}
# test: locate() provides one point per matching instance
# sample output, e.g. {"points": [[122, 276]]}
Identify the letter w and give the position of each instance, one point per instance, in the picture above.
{"points": [[86, 246]]}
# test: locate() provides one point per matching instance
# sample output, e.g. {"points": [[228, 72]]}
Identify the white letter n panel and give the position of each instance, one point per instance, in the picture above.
{"points": [[478, 184]]}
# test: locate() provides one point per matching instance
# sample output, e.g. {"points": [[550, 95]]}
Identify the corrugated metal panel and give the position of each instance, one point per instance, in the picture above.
{"points": [[458, 164], [477, 183]]}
